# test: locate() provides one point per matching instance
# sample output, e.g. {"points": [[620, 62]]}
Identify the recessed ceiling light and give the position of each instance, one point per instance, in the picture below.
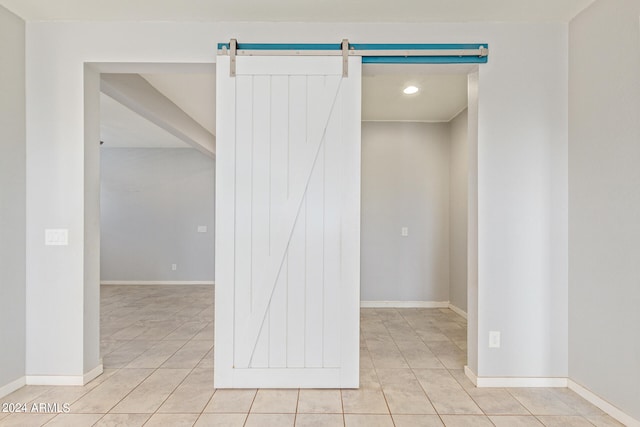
{"points": [[410, 90]]}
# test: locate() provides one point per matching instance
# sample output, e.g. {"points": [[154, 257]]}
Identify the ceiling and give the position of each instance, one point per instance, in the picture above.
{"points": [[296, 10], [440, 98], [194, 93], [120, 127]]}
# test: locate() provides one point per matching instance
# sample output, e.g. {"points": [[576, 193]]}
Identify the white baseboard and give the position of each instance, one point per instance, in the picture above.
{"points": [[93, 374], [513, 381], [157, 282], [471, 375], [607, 407], [404, 304], [65, 379], [55, 379], [12, 386], [458, 310]]}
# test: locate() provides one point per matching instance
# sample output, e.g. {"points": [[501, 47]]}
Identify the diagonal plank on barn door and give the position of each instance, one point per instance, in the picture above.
{"points": [[267, 261]]}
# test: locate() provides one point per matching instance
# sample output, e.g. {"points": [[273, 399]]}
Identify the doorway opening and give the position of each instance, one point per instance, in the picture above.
{"points": [[154, 190], [419, 184]]}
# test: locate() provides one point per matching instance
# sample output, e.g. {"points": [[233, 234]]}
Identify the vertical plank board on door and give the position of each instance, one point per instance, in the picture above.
{"points": [[243, 209], [332, 197], [296, 293], [314, 304], [261, 182], [261, 207], [297, 123], [260, 358], [298, 149], [278, 321], [279, 188]]}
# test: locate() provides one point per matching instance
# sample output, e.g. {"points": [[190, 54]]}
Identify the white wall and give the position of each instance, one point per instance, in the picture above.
{"points": [[405, 183], [604, 202], [152, 202], [458, 207], [522, 133], [12, 200], [522, 227]]}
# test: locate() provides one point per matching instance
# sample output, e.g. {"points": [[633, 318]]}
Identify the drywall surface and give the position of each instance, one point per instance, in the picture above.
{"points": [[12, 198], [405, 183], [522, 115], [458, 193], [604, 202], [152, 201]]}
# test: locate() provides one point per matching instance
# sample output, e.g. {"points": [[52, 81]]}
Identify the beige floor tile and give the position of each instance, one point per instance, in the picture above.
{"points": [[62, 394], [454, 402], [187, 331], [369, 380], [25, 394], [319, 420], [231, 401], [173, 420], [123, 420], [418, 359], [156, 355], [497, 402], [189, 355], [205, 333], [454, 360], [417, 421], [541, 401], [125, 354], [221, 420], [74, 420], [270, 420], [603, 421], [436, 379], [564, 421], [360, 420], [275, 401], [207, 361], [390, 358], [466, 421], [105, 396], [403, 399], [192, 395], [515, 421], [388, 376], [152, 392], [320, 401], [462, 378], [577, 403], [364, 402], [26, 420]]}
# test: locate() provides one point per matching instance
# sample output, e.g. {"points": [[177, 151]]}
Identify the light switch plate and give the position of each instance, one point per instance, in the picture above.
{"points": [[494, 339], [202, 229], [56, 237]]}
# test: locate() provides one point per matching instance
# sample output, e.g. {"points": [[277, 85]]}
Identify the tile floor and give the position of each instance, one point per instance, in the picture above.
{"points": [[157, 347]]}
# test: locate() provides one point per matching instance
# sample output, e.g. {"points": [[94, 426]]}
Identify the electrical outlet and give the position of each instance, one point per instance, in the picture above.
{"points": [[404, 231], [202, 229], [174, 267], [494, 339]]}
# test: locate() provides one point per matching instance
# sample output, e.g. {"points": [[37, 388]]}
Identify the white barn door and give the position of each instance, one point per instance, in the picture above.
{"points": [[287, 222]]}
